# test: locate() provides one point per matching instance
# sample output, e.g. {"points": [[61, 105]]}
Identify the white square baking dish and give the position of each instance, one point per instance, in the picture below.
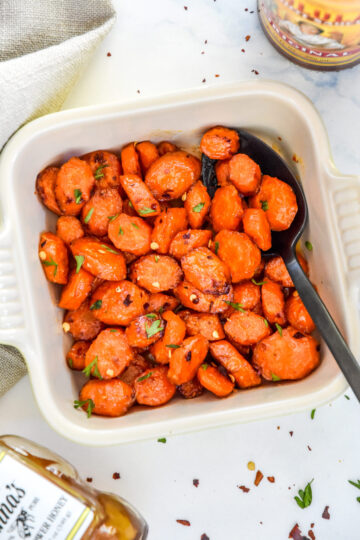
{"points": [[30, 320]]}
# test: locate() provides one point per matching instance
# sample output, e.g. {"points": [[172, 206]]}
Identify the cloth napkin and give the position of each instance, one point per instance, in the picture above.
{"points": [[44, 45]]}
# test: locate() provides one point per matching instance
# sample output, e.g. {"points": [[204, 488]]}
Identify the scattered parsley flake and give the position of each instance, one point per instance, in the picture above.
{"points": [[88, 368], [131, 204], [305, 496], [51, 263], [264, 205], [258, 282], [198, 207], [157, 258], [144, 377], [312, 414], [346, 396], [204, 366], [278, 328], [96, 305], [120, 231], [235, 305], [113, 330], [173, 346], [112, 218], [90, 406], [275, 378], [145, 210], [353, 483], [216, 247], [162, 440], [77, 195], [266, 323], [88, 215], [79, 262], [308, 245], [151, 316], [109, 249], [98, 173], [153, 329], [135, 225], [70, 362]]}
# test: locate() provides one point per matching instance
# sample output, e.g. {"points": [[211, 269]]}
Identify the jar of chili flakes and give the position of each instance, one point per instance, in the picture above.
{"points": [[317, 34]]}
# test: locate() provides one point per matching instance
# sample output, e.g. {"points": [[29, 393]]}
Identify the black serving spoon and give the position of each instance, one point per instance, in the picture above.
{"points": [[284, 244]]}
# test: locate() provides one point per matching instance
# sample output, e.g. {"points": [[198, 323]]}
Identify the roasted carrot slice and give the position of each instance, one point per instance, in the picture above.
{"points": [[164, 147], [246, 327], [106, 168], [109, 354], [98, 212], [234, 362], [156, 273], [148, 153], [273, 302], [191, 389], [226, 209], [131, 234], [54, 258], [187, 240], [174, 334], [222, 172], [75, 358], [170, 176], [193, 298], [239, 253], [106, 398], [297, 314], [45, 188], [257, 227], [140, 196], [206, 271], [69, 228], [160, 302], [81, 323], [289, 355], [166, 226], [214, 381], [73, 186], [245, 174], [77, 289], [206, 324], [145, 330], [100, 259], [197, 204], [137, 366], [153, 387], [247, 294], [276, 270], [186, 360], [220, 143], [130, 160]]}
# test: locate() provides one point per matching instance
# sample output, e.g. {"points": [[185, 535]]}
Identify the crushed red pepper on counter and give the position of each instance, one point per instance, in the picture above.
{"points": [[116, 476], [271, 479], [325, 514], [184, 522], [108, 54], [89, 479], [244, 489], [247, 38], [204, 537], [259, 476], [196, 482], [296, 533], [311, 534]]}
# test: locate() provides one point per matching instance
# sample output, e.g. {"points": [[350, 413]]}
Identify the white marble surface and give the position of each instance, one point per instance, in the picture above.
{"points": [[156, 48]]}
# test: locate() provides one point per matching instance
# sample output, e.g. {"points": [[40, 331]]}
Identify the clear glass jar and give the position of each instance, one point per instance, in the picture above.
{"points": [[42, 496]]}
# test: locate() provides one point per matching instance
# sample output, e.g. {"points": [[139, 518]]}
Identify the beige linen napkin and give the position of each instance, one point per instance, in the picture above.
{"points": [[44, 44]]}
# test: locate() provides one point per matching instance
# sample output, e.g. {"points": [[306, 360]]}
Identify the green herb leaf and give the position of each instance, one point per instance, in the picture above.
{"points": [[358, 499], [70, 362], [145, 210], [235, 305], [178, 308], [275, 378], [90, 406], [79, 262], [135, 225], [157, 258], [153, 329], [308, 245], [144, 377], [258, 282], [204, 366], [88, 215], [131, 204], [264, 205], [162, 440], [113, 330], [111, 218], [77, 195], [94, 364], [120, 231], [266, 323], [98, 174], [346, 396], [173, 346], [109, 249], [305, 498], [198, 207], [51, 263], [151, 316], [96, 305], [312, 414], [353, 483], [216, 247], [278, 328]]}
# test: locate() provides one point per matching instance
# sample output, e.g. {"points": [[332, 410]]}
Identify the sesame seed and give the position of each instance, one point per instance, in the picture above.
{"points": [[154, 245], [215, 334], [101, 251], [193, 297], [169, 353], [156, 284], [42, 255], [183, 197], [118, 289], [251, 466], [209, 244], [110, 372], [231, 377], [66, 326]]}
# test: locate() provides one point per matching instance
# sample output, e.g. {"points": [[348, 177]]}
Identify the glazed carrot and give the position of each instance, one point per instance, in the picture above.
{"points": [[275, 269], [239, 253], [109, 354], [106, 168], [187, 240], [220, 143], [206, 324], [245, 174], [136, 367], [118, 303], [97, 213], [166, 226], [206, 271], [156, 273], [128, 208], [145, 330], [77, 289], [54, 258], [140, 196], [222, 172], [247, 294], [75, 358], [130, 160], [186, 360], [291, 355], [214, 381], [246, 327], [278, 201], [191, 389], [100, 259], [153, 388], [107, 398], [197, 204], [160, 302], [174, 334], [297, 314], [226, 209], [81, 323], [165, 147], [69, 228], [234, 362], [257, 227], [131, 234], [193, 298], [273, 302], [170, 176], [148, 153], [45, 188], [73, 186]]}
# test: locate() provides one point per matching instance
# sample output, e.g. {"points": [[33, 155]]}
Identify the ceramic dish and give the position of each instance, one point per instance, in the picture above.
{"points": [[30, 320]]}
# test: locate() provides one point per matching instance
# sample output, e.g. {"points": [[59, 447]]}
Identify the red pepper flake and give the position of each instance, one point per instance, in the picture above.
{"points": [[205, 41], [204, 537], [312, 525], [184, 522], [280, 138], [108, 54], [116, 476], [311, 534], [255, 71], [138, 91], [325, 513], [89, 479], [296, 534], [246, 9], [309, 448], [259, 476], [278, 427], [185, 7], [291, 433], [295, 158], [247, 38], [271, 479], [204, 80], [244, 489], [217, 75], [242, 50], [202, 52], [196, 482]]}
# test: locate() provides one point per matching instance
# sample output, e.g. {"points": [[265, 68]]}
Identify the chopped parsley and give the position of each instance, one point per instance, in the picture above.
{"points": [[96, 305], [109, 249], [346, 396], [145, 210], [79, 262], [235, 305], [157, 258], [153, 329], [308, 245], [111, 218], [278, 328], [312, 414], [258, 282], [216, 247], [70, 362], [305, 496], [173, 346], [354, 483], [121, 231], [162, 440], [135, 225], [131, 204], [78, 196], [88, 215], [90, 406], [51, 263], [275, 378], [264, 205], [204, 366], [98, 172], [151, 316], [113, 330], [93, 364], [144, 377], [198, 207]]}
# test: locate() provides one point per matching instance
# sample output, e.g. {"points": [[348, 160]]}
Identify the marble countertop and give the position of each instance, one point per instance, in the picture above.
{"points": [[160, 47]]}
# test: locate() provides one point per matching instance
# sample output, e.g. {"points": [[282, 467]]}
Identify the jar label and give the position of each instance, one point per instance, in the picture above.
{"points": [[35, 508]]}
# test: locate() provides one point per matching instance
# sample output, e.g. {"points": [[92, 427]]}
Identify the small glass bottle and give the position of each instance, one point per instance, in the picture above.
{"points": [[42, 497], [317, 34]]}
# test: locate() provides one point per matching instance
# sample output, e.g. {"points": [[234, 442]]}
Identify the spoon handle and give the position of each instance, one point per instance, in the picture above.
{"points": [[325, 324]]}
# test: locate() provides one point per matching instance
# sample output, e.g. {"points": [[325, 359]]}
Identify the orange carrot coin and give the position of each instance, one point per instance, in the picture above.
{"points": [[197, 204], [131, 234], [239, 253], [100, 259], [257, 227], [245, 174], [145, 330], [69, 228], [166, 226], [109, 354], [148, 153], [214, 381], [174, 334], [140, 196], [106, 398], [226, 209], [130, 160], [297, 314], [246, 327], [73, 186], [75, 358], [106, 168], [234, 362], [193, 298], [81, 323], [97, 213], [273, 302], [206, 271], [76, 290], [156, 273], [45, 188], [220, 143], [186, 360], [53, 256], [187, 240], [153, 387]]}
